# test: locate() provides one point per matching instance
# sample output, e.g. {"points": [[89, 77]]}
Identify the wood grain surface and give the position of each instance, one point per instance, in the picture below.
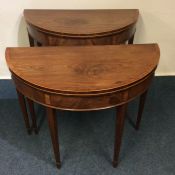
{"points": [[81, 22], [88, 69]]}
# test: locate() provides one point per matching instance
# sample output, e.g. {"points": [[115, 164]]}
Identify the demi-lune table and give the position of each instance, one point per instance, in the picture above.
{"points": [[83, 78], [77, 27], [80, 27]]}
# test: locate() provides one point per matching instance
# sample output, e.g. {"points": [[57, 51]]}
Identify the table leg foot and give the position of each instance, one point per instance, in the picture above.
{"points": [[114, 164], [58, 164], [52, 122], [141, 107], [29, 131], [120, 119], [36, 131]]}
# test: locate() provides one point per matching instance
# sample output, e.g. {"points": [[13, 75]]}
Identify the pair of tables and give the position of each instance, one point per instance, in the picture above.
{"points": [[89, 70]]}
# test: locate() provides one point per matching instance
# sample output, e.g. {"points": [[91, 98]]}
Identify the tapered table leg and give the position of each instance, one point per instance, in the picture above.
{"points": [[22, 103], [131, 40], [52, 121], [32, 114], [31, 41], [141, 107], [120, 120]]}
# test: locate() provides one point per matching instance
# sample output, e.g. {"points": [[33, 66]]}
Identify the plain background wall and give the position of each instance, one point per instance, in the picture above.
{"points": [[156, 24]]}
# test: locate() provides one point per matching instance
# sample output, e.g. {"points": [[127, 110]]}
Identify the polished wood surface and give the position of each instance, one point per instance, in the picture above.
{"points": [[80, 27], [71, 70], [81, 22], [84, 78]]}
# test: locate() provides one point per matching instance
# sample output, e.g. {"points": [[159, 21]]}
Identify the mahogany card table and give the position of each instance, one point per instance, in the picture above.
{"points": [[83, 78], [80, 27]]}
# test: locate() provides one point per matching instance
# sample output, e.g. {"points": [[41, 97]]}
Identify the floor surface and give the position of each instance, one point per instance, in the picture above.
{"points": [[86, 138]]}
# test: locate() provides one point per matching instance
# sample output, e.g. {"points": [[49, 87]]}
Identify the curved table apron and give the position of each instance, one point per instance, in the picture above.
{"points": [[82, 102], [127, 71]]}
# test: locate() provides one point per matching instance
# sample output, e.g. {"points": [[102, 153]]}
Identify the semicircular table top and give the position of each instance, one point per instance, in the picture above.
{"points": [[81, 22], [82, 70]]}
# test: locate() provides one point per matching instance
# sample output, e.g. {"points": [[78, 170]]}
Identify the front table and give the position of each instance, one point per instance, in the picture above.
{"points": [[83, 79]]}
